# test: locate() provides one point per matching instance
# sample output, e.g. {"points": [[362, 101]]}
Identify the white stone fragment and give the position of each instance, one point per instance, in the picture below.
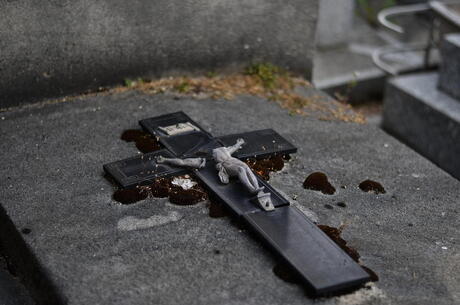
{"points": [[131, 223], [184, 183]]}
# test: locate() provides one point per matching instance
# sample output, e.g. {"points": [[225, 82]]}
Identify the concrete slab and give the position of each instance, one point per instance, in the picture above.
{"points": [[90, 251], [449, 73], [425, 118], [54, 47]]}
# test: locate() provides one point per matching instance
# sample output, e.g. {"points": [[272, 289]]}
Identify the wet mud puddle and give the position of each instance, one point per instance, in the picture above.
{"points": [[162, 188], [144, 141], [318, 181], [371, 186]]}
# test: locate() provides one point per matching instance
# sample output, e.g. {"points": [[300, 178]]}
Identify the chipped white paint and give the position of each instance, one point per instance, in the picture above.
{"points": [[362, 296], [184, 183], [130, 223]]}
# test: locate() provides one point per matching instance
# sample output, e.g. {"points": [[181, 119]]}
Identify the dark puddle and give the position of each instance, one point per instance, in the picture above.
{"points": [[335, 235], [144, 141], [217, 209], [285, 272], [372, 187], [129, 196], [263, 167], [192, 196], [318, 181], [26, 231], [162, 188]]}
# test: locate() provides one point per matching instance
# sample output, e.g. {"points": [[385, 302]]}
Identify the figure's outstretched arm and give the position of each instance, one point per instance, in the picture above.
{"points": [[237, 146], [188, 162]]}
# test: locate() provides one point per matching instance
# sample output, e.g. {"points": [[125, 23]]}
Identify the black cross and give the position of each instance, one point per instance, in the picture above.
{"points": [[323, 266]]}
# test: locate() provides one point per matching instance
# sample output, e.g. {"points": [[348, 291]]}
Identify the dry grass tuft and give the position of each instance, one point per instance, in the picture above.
{"points": [[262, 80]]}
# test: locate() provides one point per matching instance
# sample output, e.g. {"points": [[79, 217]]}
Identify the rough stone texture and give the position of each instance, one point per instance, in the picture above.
{"points": [[52, 182], [53, 47], [425, 118], [449, 73], [335, 19]]}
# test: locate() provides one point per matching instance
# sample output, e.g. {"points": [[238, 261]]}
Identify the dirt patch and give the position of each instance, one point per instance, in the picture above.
{"points": [[263, 80], [192, 196], [318, 182], [160, 188], [263, 167], [372, 187], [144, 141]]}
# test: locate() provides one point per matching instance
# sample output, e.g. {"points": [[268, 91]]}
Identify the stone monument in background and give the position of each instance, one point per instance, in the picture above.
{"points": [[50, 48]]}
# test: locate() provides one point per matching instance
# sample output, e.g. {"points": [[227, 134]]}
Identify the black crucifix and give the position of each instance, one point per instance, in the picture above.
{"points": [[323, 266]]}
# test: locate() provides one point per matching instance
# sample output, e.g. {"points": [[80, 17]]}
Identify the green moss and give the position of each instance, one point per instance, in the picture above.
{"points": [[370, 9], [267, 73], [183, 87], [133, 82]]}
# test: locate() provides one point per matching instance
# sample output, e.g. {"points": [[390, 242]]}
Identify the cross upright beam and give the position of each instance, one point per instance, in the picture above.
{"points": [[324, 267]]}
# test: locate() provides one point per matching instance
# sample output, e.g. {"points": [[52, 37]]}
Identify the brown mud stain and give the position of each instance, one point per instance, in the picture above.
{"points": [[263, 167], [318, 181], [372, 187], [372, 274], [144, 141], [130, 195], [192, 196], [162, 188], [335, 235], [217, 209]]}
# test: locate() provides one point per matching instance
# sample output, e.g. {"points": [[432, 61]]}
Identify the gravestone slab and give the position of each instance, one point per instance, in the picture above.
{"points": [[93, 250], [335, 20], [449, 73], [425, 118], [328, 269], [70, 46]]}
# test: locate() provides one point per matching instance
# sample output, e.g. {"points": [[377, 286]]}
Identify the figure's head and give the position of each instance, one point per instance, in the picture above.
{"points": [[219, 154]]}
